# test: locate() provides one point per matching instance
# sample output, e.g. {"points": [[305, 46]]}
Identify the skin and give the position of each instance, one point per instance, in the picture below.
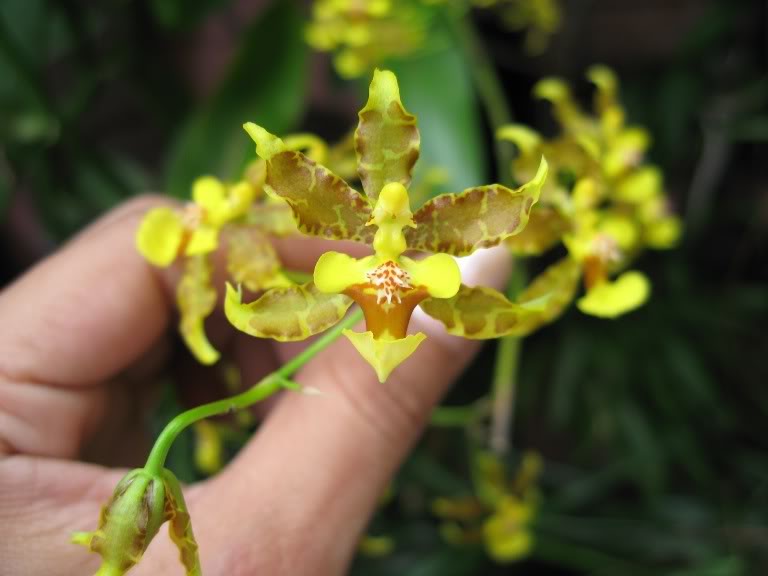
{"points": [[83, 334]]}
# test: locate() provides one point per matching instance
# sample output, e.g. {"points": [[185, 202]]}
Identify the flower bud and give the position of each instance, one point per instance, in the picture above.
{"points": [[127, 523]]}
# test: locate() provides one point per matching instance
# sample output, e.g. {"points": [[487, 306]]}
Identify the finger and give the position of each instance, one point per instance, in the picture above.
{"points": [[42, 502], [79, 317], [319, 464]]}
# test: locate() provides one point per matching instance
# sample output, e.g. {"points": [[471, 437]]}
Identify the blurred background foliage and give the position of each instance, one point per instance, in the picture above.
{"points": [[652, 428]]}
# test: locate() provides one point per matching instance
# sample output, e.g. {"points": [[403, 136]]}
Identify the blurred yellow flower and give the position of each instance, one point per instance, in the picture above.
{"points": [[604, 203]]}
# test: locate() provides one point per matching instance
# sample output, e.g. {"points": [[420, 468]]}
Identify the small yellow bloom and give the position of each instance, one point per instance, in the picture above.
{"points": [[209, 446], [611, 299], [605, 204], [361, 35], [506, 532]]}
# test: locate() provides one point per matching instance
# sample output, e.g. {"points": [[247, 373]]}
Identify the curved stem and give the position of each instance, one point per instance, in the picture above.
{"points": [[277, 380]]}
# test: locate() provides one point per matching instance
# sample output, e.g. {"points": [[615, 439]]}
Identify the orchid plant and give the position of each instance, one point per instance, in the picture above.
{"points": [[386, 285], [603, 205]]}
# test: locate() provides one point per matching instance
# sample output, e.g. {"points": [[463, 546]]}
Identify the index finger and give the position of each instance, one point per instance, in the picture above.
{"points": [[76, 319]]}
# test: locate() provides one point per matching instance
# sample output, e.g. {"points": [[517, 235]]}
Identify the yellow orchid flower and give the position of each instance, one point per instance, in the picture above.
{"points": [[540, 19], [165, 232], [500, 513], [239, 216], [386, 285], [603, 203], [364, 33]]}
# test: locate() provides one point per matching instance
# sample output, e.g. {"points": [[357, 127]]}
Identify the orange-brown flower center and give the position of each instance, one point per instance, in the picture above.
{"points": [[387, 300]]}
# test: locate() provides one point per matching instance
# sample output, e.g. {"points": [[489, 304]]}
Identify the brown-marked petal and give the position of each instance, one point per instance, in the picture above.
{"points": [[196, 298], [555, 288], [322, 203], [286, 314], [545, 228], [251, 259], [387, 139], [273, 216], [478, 313], [479, 217], [180, 524]]}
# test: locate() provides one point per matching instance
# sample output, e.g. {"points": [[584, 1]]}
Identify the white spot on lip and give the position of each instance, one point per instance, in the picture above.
{"points": [[390, 282]]}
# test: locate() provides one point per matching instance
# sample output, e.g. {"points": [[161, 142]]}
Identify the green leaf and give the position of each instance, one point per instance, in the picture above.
{"points": [[264, 85], [437, 87]]}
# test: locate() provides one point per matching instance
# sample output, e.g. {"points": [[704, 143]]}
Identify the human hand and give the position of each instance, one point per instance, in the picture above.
{"points": [[78, 347]]}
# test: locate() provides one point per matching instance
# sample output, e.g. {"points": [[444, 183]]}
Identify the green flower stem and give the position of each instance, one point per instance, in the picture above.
{"points": [[277, 380], [454, 416], [505, 374]]}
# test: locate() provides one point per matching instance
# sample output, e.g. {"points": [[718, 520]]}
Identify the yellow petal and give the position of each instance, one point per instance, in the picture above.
{"points": [[545, 228], [664, 233], [335, 272], [180, 525], [196, 299], [252, 260], [527, 140], [193, 333], [313, 146], [506, 534], [208, 447], [349, 64], [209, 193], [240, 197], [552, 89], [612, 299], [640, 186], [623, 229], [267, 145], [204, 239], [386, 139], [286, 314], [604, 78], [585, 194], [384, 355], [159, 236], [438, 273]]}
